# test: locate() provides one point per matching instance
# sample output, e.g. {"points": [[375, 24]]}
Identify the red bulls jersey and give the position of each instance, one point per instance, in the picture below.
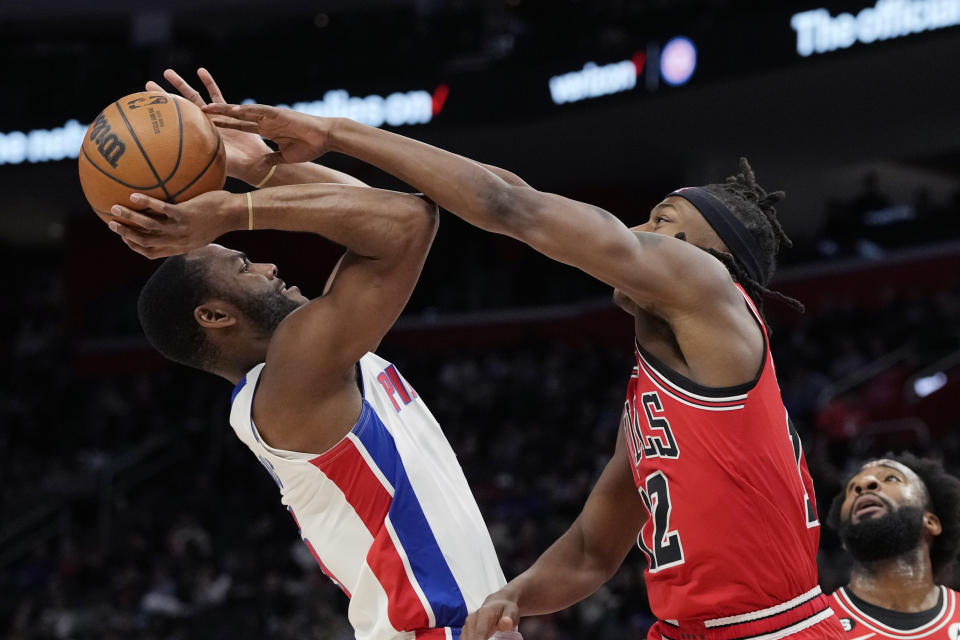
{"points": [[862, 621], [732, 532]]}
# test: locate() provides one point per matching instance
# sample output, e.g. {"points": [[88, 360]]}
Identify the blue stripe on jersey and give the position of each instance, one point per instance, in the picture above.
{"points": [[455, 633], [237, 389], [410, 523]]}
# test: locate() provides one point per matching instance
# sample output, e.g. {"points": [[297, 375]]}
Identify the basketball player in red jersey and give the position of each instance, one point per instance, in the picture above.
{"points": [[707, 467], [899, 517]]}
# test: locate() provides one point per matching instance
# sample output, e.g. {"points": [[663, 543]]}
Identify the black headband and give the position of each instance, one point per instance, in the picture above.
{"points": [[732, 232]]}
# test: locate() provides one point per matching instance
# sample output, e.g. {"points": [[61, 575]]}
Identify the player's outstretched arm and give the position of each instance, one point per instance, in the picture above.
{"points": [[578, 563], [246, 152], [644, 266]]}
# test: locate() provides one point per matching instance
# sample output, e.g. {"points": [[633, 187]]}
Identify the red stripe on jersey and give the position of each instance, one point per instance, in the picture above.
{"points": [[371, 500], [432, 634], [323, 568], [753, 307]]}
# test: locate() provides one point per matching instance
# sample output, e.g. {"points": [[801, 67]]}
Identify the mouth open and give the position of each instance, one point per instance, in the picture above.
{"points": [[868, 506]]}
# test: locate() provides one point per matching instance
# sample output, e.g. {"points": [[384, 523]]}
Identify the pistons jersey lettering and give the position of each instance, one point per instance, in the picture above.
{"points": [[732, 526]]}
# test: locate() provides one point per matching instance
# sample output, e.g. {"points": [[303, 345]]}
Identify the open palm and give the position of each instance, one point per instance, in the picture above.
{"points": [[299, 137], [244, 150]]}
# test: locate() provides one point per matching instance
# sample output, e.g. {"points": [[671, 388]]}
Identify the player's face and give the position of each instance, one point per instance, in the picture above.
{"points": [[674, 217], [253, 287], [881, 488], [883, 514]]}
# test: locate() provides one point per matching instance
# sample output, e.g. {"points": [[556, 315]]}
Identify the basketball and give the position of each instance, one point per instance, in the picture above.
{"points": [[153, 143]]}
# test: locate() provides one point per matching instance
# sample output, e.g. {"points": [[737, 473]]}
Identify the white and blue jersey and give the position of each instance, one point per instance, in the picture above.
{"points": [[386, 512]]}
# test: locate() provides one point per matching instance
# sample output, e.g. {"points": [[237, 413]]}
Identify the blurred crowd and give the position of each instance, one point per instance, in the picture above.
{"points": [[127, 506], [871, 222]]}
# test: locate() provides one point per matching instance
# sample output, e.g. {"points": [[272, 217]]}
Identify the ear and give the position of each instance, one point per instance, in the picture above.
{"points": [[215, 314], [932, 524]]}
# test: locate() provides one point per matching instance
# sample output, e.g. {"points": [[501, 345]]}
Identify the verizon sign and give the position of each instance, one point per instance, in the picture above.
{"points": [[819, 32]]}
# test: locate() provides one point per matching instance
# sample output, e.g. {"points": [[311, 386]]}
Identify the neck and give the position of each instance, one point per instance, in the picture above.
{"points": [[237, 359], [903, 583], [233, 375]]}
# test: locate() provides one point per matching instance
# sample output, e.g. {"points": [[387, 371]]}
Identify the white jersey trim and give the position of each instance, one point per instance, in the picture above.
{"points": [[800, 626], [945, 615], [431, 617], [796, 627], [680, 389], [370, 462], [763, 613], [652, 379]]}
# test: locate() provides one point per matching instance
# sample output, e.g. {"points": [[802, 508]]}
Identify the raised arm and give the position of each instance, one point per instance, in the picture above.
{"points": [[644, 266], [578, 563], [307, 397], [246, 151]]}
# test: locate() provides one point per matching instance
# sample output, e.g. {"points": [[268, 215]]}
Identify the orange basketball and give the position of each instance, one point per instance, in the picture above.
{"points": [[153, 143]]}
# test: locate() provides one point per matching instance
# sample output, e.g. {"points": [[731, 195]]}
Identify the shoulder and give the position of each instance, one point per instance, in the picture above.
{"points": [[243, 391]]}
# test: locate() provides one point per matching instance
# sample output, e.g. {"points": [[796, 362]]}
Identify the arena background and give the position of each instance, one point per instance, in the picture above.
{"points": [[128, 508]]}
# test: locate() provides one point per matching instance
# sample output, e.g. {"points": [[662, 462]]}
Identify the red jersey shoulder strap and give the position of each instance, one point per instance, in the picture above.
{"points": [[754, 310]]}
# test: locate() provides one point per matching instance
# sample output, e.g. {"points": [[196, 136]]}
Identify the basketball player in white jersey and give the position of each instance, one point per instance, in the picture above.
{"points": [[362, 466], [899, 517]]}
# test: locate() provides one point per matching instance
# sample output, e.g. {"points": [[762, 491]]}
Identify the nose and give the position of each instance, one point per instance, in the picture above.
{"points": [[865, 483], [267, 269]]}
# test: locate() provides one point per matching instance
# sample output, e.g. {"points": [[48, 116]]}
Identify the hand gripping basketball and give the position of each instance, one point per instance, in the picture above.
{"points": [[299, 137], [153, 143], [172, 229]]}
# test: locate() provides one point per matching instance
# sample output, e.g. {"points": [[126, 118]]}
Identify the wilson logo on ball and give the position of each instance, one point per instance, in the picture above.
{"points": [[108, 144]]}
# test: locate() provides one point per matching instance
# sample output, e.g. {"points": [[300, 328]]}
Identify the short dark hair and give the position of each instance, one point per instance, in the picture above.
{"points": [[754, 207], [165, 309], [943, 493]]}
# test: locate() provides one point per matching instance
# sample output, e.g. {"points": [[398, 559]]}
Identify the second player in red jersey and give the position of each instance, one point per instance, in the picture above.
{"points": [[732, 533], [899, 518]]}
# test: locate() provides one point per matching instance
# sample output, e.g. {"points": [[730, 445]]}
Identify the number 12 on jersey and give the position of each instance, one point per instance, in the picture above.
{"points": [[667, 549]]}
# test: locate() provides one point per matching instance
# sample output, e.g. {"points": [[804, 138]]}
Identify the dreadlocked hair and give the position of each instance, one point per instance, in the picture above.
{"points": [[754, 207]]}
